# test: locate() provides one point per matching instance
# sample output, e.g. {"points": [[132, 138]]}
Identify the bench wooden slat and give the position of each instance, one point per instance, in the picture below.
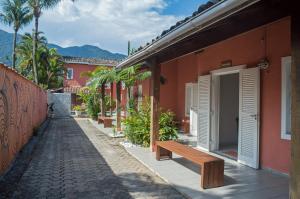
{"points": [[187, 152], [212, 168]]}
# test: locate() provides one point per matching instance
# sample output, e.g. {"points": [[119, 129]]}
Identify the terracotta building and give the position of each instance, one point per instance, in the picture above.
{"points": [[75, 66], [228, 69]]}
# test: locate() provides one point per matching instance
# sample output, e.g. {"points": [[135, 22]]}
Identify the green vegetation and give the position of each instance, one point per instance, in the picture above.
{"points": [[15, 13], [49, 62], [37, 6], [129, 76], [77, 108], [137, 125], [91, 100], [93, 104], [44, 65]]}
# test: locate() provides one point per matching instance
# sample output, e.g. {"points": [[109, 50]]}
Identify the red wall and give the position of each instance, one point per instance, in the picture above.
{"points": [[78, 81], [169, 72], [23, 107], [271, 41]]}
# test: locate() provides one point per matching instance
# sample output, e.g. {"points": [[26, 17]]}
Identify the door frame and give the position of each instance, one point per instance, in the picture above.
{"points": [[215, 102]]}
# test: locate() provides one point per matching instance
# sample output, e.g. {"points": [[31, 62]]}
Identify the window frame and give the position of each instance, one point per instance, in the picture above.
{"points": [[286, 63], [72, 76], [188, 101]]}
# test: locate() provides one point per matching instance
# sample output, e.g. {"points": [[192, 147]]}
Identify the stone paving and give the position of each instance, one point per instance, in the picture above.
{"points": [[75, 160]]}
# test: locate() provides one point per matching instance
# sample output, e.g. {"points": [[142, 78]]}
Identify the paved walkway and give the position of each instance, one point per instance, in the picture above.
{"points": [[75, 160]]}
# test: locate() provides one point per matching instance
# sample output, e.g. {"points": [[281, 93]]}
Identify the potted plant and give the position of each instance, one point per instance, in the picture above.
{"points": [[77, 110]]}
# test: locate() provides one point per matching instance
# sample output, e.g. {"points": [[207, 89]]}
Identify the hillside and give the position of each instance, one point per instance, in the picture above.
{"points": [[87, 51]]}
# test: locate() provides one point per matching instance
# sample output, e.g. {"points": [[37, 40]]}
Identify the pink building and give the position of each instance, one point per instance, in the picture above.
{"points": [[75, 66], [227, 68]]}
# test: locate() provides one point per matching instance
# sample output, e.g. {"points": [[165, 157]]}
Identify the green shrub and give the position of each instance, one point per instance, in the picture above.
{"points": [[77, 108], [84, 94], [107, 100], [137, 125], [93, 104], [167, 126]]}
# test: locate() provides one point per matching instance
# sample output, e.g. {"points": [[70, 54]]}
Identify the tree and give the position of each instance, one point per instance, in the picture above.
{"points": [[15, 13], [111, 76], [37, 6], [50, 67], [131, 75], [51, 73], [24, 52], [98, 79]]}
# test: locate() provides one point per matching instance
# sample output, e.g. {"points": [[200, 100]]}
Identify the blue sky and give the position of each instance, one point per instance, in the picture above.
{"points": [[109, 24], [182, 7]]}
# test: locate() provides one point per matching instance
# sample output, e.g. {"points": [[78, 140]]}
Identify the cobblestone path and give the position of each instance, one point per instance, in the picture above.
{"points": [[75, 160]]}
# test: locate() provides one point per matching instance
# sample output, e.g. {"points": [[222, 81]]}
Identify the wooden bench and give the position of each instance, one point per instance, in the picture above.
{"points": [[107, 121], [212, 168]]}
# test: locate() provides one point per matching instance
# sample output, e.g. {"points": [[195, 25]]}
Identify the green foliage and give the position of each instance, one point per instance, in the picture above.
{"points": [[15, 13], [84, 94], [108, 105], [93, 104], [77, 108], [50, 65], [131, 75], [137, 125], [167, 126]]}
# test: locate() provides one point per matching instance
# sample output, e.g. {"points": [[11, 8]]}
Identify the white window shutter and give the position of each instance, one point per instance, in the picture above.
{"points": [[194, 100], [204, 92], [194, 110], [188, 94], [248, 150]]}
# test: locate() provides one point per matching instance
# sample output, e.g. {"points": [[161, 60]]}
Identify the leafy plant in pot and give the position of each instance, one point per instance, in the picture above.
{"points": [[78, 110]]}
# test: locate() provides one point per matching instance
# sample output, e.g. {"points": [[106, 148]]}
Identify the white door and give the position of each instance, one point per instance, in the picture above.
{"points": [[248, 149], [204, 87], [194, 110]]}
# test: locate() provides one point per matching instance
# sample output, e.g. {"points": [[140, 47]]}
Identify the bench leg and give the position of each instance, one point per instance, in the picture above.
{"points": [[107, 123], [212, 175], [161, 152]]}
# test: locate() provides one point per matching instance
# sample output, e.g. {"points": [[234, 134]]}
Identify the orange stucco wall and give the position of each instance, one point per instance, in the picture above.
{"points": [[23, 107], [271, 41]]}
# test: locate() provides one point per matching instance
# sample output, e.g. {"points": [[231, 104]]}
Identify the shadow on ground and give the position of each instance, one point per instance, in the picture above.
{"points": [[66, 164]]}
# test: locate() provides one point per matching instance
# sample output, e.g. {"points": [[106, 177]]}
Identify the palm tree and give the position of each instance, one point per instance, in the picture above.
{"points": [[131, 75], [37, 6], [15, 13], [52, 70], [24, 51], [98, 79]]}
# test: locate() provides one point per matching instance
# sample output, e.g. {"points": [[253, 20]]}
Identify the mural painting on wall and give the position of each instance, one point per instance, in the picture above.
{"points": [[19, 113]]}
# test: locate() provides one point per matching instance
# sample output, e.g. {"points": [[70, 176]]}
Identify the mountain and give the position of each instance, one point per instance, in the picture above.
{"points": [[86, 51]]}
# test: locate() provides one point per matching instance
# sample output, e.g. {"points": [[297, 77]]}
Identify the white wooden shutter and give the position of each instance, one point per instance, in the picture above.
{"points": [[204, 89], [193, 122], [188, 96], [194, 100], [248, 150], [194, 110]]}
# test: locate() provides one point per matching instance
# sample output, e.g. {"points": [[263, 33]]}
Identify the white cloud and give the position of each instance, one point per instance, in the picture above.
{"points": [[108, 24]]}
